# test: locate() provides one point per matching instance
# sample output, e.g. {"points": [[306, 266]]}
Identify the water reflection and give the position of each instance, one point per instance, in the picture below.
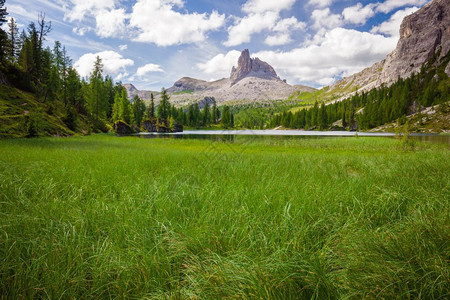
{"points": [[230, 135]]}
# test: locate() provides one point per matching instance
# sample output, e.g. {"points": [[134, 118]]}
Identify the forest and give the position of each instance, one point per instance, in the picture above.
{"points": [[92, 104], [378, 106]]}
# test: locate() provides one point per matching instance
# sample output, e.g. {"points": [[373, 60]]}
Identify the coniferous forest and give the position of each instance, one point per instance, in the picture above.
{"points": [[59, 102], [378, 106]]}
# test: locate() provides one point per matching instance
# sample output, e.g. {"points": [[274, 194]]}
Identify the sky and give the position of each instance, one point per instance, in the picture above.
{"points": [[153, 43]]}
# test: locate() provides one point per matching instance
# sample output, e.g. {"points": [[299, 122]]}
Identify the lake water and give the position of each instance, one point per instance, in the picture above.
{"points": [[229, 134]]}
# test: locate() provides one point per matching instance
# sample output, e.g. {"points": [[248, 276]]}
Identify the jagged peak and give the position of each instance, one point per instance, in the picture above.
{"points": [[251, 67]]}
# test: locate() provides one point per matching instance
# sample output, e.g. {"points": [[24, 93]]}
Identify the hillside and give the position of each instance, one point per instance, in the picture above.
{"points": [[22, 115], [251, 80], [424, 36]]}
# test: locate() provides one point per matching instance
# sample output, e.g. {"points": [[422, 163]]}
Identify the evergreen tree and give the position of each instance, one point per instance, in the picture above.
{"points": [[13, 35], [125, 110], [96, 98], [206, 115], [138, 110], [164, 105], [214, 112], [73, 87], [151, 107], [3, 35]]}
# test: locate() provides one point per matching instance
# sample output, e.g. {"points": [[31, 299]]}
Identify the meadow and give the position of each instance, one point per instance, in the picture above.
{"points": [[270, 218]]}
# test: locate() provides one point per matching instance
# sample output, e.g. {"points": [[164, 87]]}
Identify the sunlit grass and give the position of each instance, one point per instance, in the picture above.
{"points": [[278, 218]]}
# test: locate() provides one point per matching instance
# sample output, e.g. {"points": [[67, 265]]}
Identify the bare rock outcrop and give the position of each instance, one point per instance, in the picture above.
{"points": [[251, 67], [423, 35]]}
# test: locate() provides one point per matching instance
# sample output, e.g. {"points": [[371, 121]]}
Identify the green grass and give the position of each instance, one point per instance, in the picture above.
{"points": [[19, 108], [108, 217], [184, 92]]}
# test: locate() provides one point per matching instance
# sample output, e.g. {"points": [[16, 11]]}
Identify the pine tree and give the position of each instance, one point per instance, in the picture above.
{"points": [[13, 35], [96, 96], [151, 107], [206, 115], [164, 105], [3, 35], [138, 110], [73, 87], [214, 112]]}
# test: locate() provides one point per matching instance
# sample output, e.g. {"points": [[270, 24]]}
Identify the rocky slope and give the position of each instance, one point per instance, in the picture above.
{"points": [[251, 80], [423, 35], [252, 67], [133, 91]]}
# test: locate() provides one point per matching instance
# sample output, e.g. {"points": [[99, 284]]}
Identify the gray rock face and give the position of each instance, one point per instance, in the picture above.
{"points": [[188, 84], [252, 67], [424, 34], [252, 80]]}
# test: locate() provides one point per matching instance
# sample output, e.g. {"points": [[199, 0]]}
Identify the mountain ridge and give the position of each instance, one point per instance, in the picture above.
{"points": [[252, 80], [424, 35]]}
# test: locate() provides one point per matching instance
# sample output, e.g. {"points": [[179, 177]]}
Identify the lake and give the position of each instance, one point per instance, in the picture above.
{"points": [[230, 134]]}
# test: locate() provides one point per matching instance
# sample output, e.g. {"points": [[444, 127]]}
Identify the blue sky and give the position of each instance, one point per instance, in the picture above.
{"points": [[153, 43]]}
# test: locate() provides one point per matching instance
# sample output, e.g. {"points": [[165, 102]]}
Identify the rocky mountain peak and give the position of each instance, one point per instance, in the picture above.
{"points": [[424, 35], [251, 67]]}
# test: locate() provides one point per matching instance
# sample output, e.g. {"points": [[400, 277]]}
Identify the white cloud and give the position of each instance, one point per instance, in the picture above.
{"points": [[113, 63], [123, 47], [156, 22], [220, 65], [390, 5], [17, 10], [81, 30], [278, 39], [244, 28], [392, 26], [110, 23], [358, 14], [148, 68], [320, 3], [289, 24], [76, 10], [260, 6], [339, 52], [323, 18], [263, 15]]}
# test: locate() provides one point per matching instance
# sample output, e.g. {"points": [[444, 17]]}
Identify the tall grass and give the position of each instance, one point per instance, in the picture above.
{"points": [[107, 217]]}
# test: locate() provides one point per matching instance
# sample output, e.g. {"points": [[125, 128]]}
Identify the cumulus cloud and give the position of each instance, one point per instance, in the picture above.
{"points": [[392, 26], [76, 10], [326, 58], [390, 5], [260, 6], [110, 23], [220, 65], [148, 68], [123, 47], [323, 18], [113, 63], [320, 3], [157, 22], [244, 28], [263, 16], [358, 14], [153, 21], [339, 52]]}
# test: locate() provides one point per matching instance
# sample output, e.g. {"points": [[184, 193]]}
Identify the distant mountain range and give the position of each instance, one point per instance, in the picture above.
{"points": [[424, 35], [252, 80]]}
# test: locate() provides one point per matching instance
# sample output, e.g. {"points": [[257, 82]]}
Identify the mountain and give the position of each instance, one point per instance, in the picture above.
{"points": [[424, 36], [252, 80], [133, 91], [252, 67]]}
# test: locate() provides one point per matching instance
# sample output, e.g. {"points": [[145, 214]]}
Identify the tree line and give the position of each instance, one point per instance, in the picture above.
{"points": [[431, 86], [48, 73]]}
